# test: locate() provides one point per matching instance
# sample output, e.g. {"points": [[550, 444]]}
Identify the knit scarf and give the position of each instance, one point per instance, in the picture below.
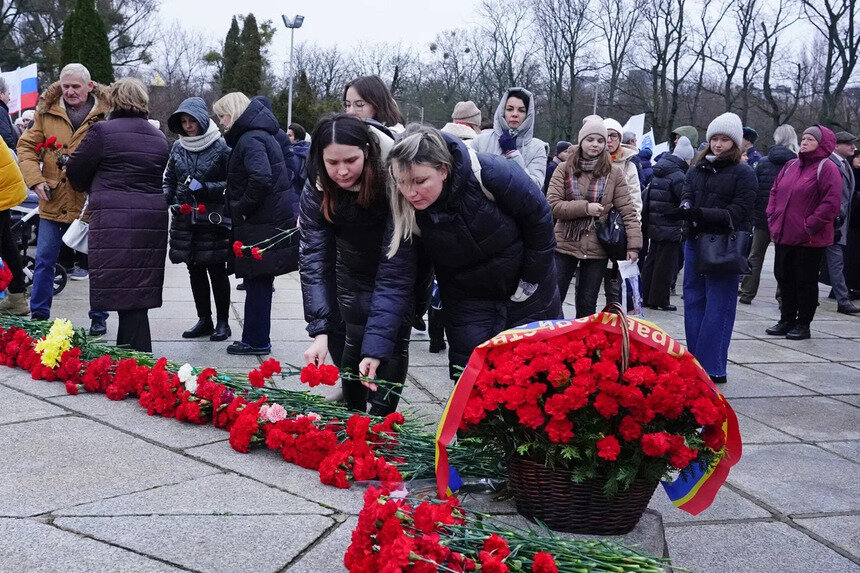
{"points": [[198, 143], [593, 193]]}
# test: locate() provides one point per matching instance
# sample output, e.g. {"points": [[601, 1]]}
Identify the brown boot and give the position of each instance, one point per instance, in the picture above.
{"points": [[16, 304]]}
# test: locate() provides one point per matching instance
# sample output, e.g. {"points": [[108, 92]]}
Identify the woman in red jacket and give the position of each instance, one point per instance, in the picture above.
{"points": [[804, 202]]}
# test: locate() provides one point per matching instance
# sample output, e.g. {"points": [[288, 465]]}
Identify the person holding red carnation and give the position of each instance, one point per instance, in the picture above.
{"points": [[343, 217]]}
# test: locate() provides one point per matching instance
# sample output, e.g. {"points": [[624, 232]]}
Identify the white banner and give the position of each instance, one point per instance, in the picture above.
{"points": [[636, 124]]}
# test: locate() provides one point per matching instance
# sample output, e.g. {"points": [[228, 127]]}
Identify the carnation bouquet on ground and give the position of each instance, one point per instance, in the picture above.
{"points": [[569, 395]]}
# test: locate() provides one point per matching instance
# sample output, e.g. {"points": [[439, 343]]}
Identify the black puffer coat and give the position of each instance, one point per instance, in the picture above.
{"points": [[339, 260], [258, 193], [725, 192], [196, 245], [664, 195], [766, 170]]}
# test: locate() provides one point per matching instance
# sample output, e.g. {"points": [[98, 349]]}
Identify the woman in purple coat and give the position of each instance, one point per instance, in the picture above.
{"points": [[120, 164], [803, 205]]}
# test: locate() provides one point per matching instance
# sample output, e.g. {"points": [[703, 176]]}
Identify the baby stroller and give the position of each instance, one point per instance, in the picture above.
{"points": [[25, 219]]}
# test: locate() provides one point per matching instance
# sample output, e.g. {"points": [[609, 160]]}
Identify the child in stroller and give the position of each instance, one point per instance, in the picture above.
{"points": [[25, 222]]}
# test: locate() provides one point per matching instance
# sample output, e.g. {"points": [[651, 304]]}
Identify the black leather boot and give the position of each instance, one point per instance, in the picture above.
{"points": [[781, 328], [799, 332], [204, 327], [222, 331]]}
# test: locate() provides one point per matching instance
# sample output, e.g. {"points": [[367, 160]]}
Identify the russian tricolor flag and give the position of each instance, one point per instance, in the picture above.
{"points": [[23, 88]]}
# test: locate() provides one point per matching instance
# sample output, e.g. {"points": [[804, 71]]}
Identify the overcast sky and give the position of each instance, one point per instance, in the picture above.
{"points": [[329, 22]]}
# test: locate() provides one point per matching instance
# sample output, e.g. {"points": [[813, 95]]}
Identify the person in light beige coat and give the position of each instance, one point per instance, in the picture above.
{"points": [[581, 192]]}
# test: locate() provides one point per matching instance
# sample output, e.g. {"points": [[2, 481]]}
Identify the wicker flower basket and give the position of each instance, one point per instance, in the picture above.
{"points": [[551, 497]]}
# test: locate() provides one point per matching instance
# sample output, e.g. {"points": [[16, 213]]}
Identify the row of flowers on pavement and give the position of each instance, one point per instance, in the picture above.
{"points": [[393, 533]]}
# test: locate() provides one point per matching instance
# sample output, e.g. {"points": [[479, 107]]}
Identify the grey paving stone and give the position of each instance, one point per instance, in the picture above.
{"points": [[218, 494], [56, 463], [754, 547], [829, 349], [760, 351], [853, 399], [175, 309], [728, 505], [203, 353], [848, 449], [855, 365], [753, 432], [208, 543], [797, 478], [748, 383], [429, 412], [37, 547], [809, 417], [18, 407], [22, 380], [433, 379], [292, 330], [128, 415], [842, 531], [419, 355], [327, 554], [756, 329], [268, 467], [824, 378], [847, 328]]}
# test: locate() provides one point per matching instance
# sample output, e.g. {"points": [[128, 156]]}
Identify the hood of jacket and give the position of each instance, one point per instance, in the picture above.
{"points": [[691, 132], [196, 108], [824, 149], [668, 165], [460, 130], [256, 116], [54, 95], [780, 155], [526, 130]]}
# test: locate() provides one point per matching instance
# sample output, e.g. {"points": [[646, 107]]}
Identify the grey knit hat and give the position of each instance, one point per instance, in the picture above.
{"points": [[467, 112], [814, 131], [728, 124], [683, 149]]}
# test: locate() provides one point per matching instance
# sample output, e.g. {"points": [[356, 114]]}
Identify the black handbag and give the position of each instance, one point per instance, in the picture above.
{"points": [[723, 253], [216, 215], [612, 235]]}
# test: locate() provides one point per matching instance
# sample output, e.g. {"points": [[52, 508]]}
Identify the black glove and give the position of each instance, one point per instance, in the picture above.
{"points": [[508, 142], [695, 214]]}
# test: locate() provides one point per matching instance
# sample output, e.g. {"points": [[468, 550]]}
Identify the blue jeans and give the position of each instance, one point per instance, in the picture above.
{"points": [[47, 253], [258, 312], [710, 304]]}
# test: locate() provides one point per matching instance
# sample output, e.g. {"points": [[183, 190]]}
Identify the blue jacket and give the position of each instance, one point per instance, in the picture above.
{"points": [[259, 193], [766, 171], [664, 195]]}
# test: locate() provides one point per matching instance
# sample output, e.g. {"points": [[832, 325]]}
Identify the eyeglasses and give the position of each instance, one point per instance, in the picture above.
{"points": [[357, 104], [614, 136]]}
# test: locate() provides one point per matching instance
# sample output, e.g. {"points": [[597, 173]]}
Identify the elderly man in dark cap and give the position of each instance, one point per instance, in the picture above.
{"points": [[835, 253], [753, 154]]}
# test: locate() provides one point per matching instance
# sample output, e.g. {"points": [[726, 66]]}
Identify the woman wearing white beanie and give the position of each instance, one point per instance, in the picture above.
{"points": [[718, 198], [581, 191]]}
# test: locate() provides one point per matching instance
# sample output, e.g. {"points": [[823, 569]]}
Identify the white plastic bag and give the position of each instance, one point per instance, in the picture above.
{"points": [[630, 280]]}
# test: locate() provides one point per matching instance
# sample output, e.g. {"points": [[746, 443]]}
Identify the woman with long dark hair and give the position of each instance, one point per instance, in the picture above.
{"points": [[368, 97], [343, 217]]}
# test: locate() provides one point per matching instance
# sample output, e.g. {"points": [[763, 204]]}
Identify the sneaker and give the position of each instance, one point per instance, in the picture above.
{"points": [[241, 349], [79, 274], [849, 308]]}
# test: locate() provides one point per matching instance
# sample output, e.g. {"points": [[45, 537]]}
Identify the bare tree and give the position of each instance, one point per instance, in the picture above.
{"points": [[617, 20], [180, 58], [836, 21], [780, 101]]}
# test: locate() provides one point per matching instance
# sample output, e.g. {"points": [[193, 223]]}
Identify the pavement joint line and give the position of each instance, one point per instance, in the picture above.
{"points": [[737, 521], [822, 514], [123, 547], [320, 538], [16, 422]]}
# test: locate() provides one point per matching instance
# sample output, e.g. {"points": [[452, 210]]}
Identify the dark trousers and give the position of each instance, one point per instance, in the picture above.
{"points": [[392, 370], [10, 254], [796, 271], [750, 282], [680, 264], [200, 277], [258, 312], [133, 330], [436, 324], [658, 272], [588, 280]]}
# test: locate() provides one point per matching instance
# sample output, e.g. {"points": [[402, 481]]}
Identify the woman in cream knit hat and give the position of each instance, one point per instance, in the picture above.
{"points": [[582, 190]]}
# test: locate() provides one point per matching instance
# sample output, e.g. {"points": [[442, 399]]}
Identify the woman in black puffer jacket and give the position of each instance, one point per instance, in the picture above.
{"points": [[259, 200], [344, 214], [196, 175], [490, 240], [662, 196]]}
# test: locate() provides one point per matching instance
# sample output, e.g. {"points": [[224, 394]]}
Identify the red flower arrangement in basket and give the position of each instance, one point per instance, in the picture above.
{"points": [[567, 402]]}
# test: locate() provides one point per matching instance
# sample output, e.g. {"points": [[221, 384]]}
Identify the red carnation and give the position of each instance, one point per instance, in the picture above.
{"points": [[497, 546], [544, 563], [256, 378], [629, 429], [329, 374], [257, 253], [531, 416], [71, 388], [50, 141], [705, 411], [185, 209], [201, 209], [237, 249], [682, 456], [559, 429], [608, 448], [491, 564], [655, 445], [270, 367], [714, 437], [606, 405]]}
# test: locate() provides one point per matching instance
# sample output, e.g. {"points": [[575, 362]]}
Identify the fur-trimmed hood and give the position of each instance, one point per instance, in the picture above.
{"points": [[54, 95]]}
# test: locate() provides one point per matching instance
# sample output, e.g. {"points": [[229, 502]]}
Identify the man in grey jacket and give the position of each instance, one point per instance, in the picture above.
{"points": [[835, 253]]}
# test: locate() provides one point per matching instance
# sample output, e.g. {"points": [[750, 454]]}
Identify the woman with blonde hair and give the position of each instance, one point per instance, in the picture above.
{"points": [[485, 227], [260, 205], [120, 163], [581, 193]]}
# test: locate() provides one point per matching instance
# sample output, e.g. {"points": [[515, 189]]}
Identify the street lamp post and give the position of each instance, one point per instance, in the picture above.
{"points": [[292, 24]]}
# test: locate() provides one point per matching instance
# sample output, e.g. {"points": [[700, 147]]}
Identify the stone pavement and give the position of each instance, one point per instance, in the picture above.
{"points": [[92, 485]]}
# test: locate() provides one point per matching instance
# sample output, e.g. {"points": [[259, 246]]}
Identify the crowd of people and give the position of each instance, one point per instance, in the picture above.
{"points": [[485, 227]]}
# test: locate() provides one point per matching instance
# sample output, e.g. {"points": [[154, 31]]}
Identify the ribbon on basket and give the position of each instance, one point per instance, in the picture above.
{"points": [[693, 493]]}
